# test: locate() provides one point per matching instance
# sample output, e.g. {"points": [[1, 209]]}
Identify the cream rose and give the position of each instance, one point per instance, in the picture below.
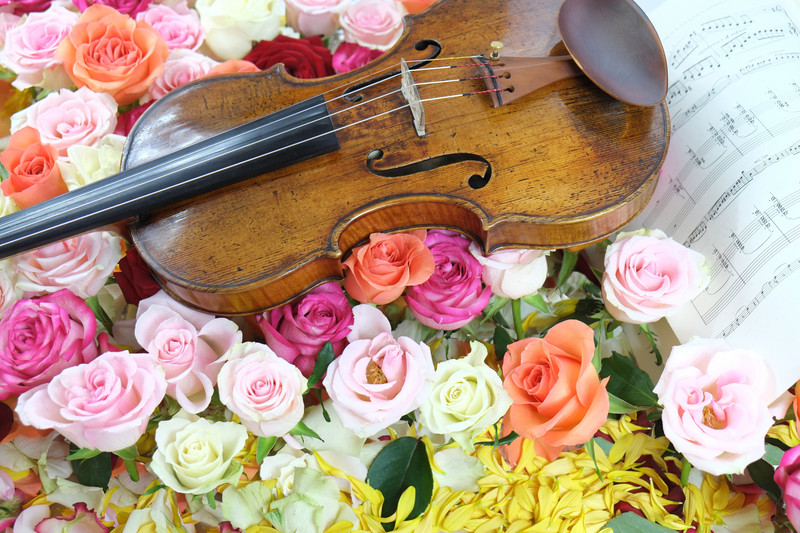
{"points": [[467, 397], [196, 457], [512, 273], [231, 26], [87, 164]]}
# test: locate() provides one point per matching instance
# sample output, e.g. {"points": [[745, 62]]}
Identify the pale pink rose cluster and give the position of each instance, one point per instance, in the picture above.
{"points": [[187, 344], [378, 378], [30, 46], [719, 403], [376, 24], [104, 404], [178, 24], [181, 67], [649, 276], [314, 17]]}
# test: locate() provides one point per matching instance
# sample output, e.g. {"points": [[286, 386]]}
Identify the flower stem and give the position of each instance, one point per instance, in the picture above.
{"points": [[515, 310]]}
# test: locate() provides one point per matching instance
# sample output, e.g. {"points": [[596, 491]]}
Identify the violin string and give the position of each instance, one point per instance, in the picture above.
{"points": [[100, 200]]}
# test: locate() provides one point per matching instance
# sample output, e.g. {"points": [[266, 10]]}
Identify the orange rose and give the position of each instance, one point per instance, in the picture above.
{"points": [[33, 175], [558, 397], [380, 271], [232, 66], [111, 53]]}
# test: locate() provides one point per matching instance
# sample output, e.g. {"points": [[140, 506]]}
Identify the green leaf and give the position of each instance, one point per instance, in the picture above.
{"points": [[494, 306], [651, 337], [402, 463], [617, 406], [567, 266], [773, 454], [537, 301], [324, 358], [133, 471], [93, 471], [318, 395], [603, 444], [633, 523], [508, 439], [762, 474], [627, 381], [3, 172], [589, 447], [302, 430], [264, 445], [501, 339], [131, 452], [100, 313], [82, 453]]}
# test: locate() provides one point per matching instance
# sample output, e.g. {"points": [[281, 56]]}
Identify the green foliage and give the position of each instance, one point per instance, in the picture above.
{"points": [[762, 473], [302, 430], [628, 382], [501, 339], [3, 172], [324, 359], [633, 523], [567, 266], [91, 467], [401, 464], [264, 445]]}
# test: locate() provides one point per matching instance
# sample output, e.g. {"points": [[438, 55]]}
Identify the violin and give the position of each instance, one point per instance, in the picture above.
{"points": [[242, 192]]}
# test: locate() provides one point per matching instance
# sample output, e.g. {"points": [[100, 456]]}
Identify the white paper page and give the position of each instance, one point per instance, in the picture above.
{"points": [[730, 184]]}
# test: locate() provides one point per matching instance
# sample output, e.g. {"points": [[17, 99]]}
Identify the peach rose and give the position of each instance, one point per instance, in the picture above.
{"points": [[110, 52], [380, 271], [559, 400], [33, 175]]}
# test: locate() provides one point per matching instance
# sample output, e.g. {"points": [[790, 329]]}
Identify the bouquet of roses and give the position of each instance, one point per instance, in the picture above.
{"points": [[436, 388]]}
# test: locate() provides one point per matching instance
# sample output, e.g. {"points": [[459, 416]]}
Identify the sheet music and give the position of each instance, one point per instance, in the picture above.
{"points": [[730, 184]]}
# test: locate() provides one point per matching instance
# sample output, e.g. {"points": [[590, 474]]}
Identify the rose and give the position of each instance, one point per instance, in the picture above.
{"points": [[718, 404], [314, 17], [232, 66], [648, 276], [453, 295], [111, 53], [467, 397], [314, 505], [350, 56], [380, 271], [88, 164], [81, 264], [104, 404], [188, 344], [40, 517], [787, 476], [303, 58], [416, 6], [178, 25], [377, 379], [40, 338], [127, 119], [196, 457], [33, 175], [7, 21], [30, 47], [373, 23], [9, 292], [558, 398], [29, 6], [513, 273], [65, 118], [180, 67], [231, 26], [263, 390], [297, 331], [134, 278], [126, 7]]}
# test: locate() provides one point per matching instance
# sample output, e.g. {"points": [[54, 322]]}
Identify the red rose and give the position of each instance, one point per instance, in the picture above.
{"points": [[134, 278], [303, 58]]}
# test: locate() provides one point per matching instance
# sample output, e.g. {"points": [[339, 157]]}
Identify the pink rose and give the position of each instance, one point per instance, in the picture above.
{"points": [[350, 56], [40, 338], [263, 390], [30, 46], [373, 23], [177, 24], [378, 378], [65, 118], [188, 344], [81, 264], [454, 294], [298, 330], [314, 17], [649, 276], [513, 273], [104, 404], [41, 518], [180, 67], [126, 7], [718, 404], [787, 476], [7, 21]]}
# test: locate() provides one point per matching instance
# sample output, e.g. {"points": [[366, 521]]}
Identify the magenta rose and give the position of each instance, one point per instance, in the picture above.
{"points": [[39, 338], [26, 6], [649, 276], [103, 405], [188, 344], [377, 379], [454, 294], [127, 119], [350, 56], [126, 7], [297, 331], [787, 476]]}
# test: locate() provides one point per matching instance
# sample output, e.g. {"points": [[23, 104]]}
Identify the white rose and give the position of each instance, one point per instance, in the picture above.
{"points": [[196, 457], [467, 397], [513, 273], [231, 26], [87, 164]]}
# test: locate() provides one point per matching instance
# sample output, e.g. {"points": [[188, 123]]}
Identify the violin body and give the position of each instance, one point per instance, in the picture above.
{"points": [[564, 166]]}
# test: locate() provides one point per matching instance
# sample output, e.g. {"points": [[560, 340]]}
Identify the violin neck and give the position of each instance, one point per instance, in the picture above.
{"points": [[293, 134]]}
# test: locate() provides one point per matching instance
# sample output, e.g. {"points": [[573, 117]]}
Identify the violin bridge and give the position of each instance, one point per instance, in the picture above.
{"points": [[410, 93]]}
